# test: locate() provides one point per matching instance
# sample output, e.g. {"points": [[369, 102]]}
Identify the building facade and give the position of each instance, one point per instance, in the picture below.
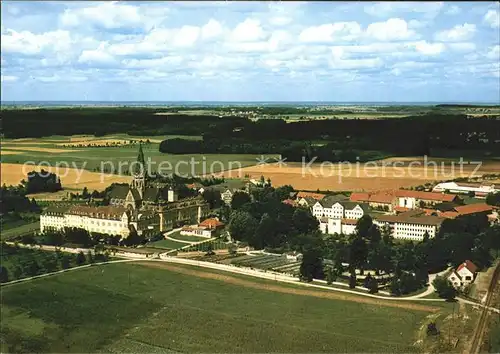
{"points": [[412, 225], [480, 190]]}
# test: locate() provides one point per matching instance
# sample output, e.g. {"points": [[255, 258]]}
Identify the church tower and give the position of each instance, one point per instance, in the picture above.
{"points": [[139, 173]]}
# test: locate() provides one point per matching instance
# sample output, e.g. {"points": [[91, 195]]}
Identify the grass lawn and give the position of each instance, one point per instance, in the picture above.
{"points": [[12, 232], [137, 308], [168, 244], [177, 235]]}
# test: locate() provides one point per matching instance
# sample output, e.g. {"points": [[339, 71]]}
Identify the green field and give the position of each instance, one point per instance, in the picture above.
{"points": [[134, 308], [91, 158], [167, 244], [177, 235], [20, 230]]}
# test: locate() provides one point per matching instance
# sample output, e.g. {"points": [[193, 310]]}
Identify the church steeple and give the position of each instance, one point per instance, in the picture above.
{"points": [[139, 171], [140, 165]]}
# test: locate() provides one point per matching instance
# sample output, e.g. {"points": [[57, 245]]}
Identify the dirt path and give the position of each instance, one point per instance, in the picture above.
{"points": [[285, 290]]}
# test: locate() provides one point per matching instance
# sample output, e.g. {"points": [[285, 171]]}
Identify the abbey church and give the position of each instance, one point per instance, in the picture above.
{"points": [[142, 192], [145, 206]]}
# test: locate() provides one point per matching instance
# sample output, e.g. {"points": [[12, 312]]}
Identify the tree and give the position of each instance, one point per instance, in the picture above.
{"points": [[493, 199], [212, 197], [386, 234], [312, 265], [363, 226], [444, 288], [4, 275], [358, 252], [372, 286], [330, 275], [65, 261], [352, 280], [90, 257], [432, 329], [80, 258], [242, 225], [239, 199], [303, 221], [232, 249], [283, 192]]}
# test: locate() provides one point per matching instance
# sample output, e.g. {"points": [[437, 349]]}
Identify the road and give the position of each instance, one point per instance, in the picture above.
{"points": [[279, 277], [477, 339]]}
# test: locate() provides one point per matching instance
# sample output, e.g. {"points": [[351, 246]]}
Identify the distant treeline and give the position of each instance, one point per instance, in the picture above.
{"points": [[102, 121], [343, 140]]}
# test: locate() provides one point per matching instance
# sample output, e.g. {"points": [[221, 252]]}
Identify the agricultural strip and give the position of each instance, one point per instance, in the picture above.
{"points": [[156, 307]]}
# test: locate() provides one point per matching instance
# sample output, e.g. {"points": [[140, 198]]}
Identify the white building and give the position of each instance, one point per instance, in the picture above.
{"points": [[463, 275], [337, 226], [331, 207], [105, 220], [416, 199], [207, 228], [411, 225], [479, 189]]}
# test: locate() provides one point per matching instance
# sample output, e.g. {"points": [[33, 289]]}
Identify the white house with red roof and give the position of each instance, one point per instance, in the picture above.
{"points": [[207, 228], [463, 275]]}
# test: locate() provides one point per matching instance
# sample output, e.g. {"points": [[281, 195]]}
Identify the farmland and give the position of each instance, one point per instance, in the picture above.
{"points": [[70, 156], [370, 176], [266, 262], [152, 307]]}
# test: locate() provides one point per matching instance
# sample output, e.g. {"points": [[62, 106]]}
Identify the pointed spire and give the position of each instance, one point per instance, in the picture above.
{"points": [[140, 165]]}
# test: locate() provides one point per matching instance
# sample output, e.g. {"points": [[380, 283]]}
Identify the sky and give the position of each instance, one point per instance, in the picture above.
{"points": [[250, 51]]}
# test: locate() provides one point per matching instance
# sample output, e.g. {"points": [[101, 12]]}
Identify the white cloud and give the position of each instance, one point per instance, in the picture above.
{"points": [[249, 30], [492, 18], [28, 43], [456, 34], [339, 60], [108, 15], [425, 48], [97, 56], [453, 10], [280, 20], [212, 29], [383, 9], [463, 47], [392, 29], [329, 32], [9, 78], [186, 36], [168, 63], [494, 53], [396, 72]]}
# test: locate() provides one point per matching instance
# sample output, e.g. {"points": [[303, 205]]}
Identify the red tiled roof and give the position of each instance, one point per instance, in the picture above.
{"points": [[385, 197], [426, 195], [401, 209], [350, 221], [290, 202], [316, 196], [211, 223], [473, 208], [469, 265]]}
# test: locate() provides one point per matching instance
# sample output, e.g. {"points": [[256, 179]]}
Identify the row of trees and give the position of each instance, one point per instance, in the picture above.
{"points": [[344, 139], [20, 263], [73, 236]]}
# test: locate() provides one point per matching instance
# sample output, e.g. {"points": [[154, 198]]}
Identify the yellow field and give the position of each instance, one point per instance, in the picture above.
{"points": [[369, 176], [8, 152], [38, 149], [71, 178]]}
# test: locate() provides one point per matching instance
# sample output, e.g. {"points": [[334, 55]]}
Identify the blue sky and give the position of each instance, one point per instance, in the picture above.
{"points": [[258, 51]]}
